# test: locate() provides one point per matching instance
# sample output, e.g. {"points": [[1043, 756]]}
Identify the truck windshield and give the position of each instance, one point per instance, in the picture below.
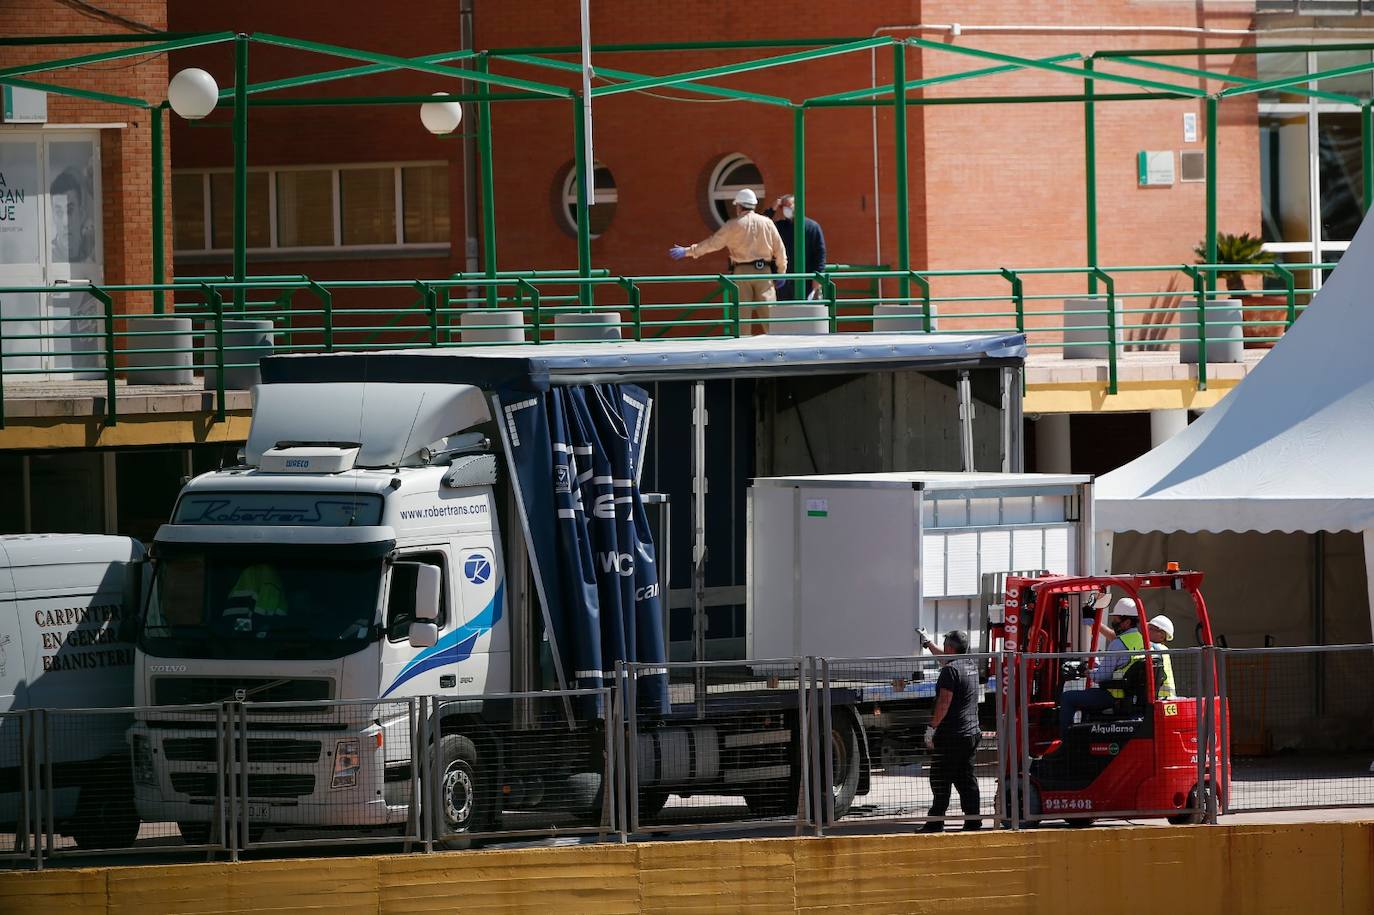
{"points": [[261, 604]]}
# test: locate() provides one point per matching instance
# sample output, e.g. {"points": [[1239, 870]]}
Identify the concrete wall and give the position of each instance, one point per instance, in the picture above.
{"points": [[885, 421], [1300, 869]]}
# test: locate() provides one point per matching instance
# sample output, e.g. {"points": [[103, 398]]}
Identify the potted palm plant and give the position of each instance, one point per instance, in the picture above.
{"points": [[1265, 315]]}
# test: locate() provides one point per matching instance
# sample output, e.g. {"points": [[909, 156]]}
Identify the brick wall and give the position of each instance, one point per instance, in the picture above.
{"points": [[125, 152], [990, 185]]}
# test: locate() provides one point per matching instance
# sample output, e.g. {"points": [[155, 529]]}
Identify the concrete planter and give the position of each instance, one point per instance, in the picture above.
{"points": [[1225, 336], [1085, 328], [171, 334], [245, 340], [490, 325], [895, 318], [588, 325], [805, 319]]}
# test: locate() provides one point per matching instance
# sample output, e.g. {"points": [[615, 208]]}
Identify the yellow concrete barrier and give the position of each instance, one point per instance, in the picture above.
{"points": [[1316, 869]]}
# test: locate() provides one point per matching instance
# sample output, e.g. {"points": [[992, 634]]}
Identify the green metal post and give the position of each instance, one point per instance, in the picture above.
{"points": [[488, 190], [799, 201], [899, 125], [111, 410], [1211, 190], [1367, 154], [240, 167], [1018, 298], [1112, 342], [1090, 166], [584, 228], [159, 240]]}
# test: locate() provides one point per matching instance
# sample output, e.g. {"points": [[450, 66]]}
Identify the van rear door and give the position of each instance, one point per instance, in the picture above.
{"points": [[11, 644]]}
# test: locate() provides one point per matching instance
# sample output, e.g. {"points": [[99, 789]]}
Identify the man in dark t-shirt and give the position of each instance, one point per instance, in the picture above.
{"points": [[953, 734]]}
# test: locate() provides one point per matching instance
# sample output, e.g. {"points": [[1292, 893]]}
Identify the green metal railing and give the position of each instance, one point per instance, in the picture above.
{"points": [[1137, 308]]}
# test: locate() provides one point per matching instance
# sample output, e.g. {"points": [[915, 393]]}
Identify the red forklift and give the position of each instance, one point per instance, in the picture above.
{"points": [[1141, 755]]}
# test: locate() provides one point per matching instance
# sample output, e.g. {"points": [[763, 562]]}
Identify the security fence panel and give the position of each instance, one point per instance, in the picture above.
{"points": [[326, 772], [520, 764], [115, 780], [1299, 734], [881, 761], [1093, 742], [732, 750], [18, 812]]}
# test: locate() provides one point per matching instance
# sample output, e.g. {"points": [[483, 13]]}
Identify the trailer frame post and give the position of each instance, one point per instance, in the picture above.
{"points": [[966, 422], [699, 483]]}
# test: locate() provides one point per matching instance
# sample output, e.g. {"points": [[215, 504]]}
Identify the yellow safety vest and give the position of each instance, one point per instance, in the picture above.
{"points": [[1133, 640], [261, 584]]}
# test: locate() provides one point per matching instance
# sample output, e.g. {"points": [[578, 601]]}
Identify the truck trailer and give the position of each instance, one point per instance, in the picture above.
{"points": [[456, 524]]}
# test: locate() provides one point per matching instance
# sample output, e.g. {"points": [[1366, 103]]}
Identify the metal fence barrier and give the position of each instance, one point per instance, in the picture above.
{"points": [[802, 745], [875, 712], [1299, 730], [732, 751]]}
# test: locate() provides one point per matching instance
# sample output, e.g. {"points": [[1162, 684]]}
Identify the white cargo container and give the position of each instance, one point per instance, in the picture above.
{"points": [[850, 565]]}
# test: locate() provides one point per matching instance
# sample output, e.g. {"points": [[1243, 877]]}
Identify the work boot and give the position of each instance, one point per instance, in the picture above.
{"points": [[973, 825], [933, 826]]}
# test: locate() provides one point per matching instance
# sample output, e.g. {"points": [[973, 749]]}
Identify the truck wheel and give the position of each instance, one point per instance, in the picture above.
{"points": [[844, 743], [197, 833], [458, 794], [107, 820], [651, 803]]}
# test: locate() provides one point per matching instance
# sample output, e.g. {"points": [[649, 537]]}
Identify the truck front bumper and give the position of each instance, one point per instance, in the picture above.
{"points": [[307, 778]]}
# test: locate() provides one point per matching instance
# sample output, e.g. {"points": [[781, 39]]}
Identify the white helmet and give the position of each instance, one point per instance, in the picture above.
{"points": [[1126, 607], [745, 197], [1164, 625]]}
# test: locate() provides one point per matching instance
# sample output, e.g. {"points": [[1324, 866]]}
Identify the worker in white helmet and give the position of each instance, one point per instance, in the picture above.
{"points": [[1161, 631], [755, 249], [1125, 622]]}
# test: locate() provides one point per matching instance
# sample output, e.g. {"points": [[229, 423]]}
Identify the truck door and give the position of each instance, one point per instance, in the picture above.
{"points": [[483, 637], [408, 671]]}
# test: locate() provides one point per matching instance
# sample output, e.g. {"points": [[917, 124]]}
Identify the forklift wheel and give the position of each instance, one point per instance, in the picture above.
{"points": [[1193, 817]]}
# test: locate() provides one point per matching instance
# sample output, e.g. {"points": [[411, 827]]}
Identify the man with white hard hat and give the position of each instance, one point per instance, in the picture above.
{"points": [[754, 247], [1161, 631], [1125, 622]]}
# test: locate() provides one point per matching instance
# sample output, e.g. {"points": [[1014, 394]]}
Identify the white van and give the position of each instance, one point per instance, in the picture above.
{"points": [[65, 602]]}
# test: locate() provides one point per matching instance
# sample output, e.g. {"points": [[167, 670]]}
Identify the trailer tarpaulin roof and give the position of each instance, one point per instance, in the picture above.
{"points": [[1287, 450], [539, 366]]}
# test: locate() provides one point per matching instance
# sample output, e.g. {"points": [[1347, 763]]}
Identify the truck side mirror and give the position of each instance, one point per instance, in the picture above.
{"points": [[423, 635], [427, 582]]}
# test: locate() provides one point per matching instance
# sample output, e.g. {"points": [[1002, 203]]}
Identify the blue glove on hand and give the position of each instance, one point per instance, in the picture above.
{"points": [[677, 252], [781, 286]]}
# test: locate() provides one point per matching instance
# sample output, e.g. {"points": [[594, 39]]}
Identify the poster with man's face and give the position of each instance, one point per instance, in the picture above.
{"points": [[71, 201], [19, 198]]}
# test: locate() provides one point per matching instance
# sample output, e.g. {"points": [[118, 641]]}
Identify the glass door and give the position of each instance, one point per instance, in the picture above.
{"points": [[75, 319]]}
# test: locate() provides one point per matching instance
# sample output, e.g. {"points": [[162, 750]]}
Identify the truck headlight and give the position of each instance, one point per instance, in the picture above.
{"points": [[347, 762], [144, 774]]}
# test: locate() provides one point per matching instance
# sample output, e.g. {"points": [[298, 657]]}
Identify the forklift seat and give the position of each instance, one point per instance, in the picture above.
{"points": [[1134, 687]]}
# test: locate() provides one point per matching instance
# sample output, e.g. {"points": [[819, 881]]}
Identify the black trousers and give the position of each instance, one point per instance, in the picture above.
{"points": [[951, 764]]}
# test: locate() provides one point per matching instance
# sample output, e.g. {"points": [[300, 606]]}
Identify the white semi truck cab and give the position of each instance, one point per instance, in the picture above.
{"points": [[322, 571]]}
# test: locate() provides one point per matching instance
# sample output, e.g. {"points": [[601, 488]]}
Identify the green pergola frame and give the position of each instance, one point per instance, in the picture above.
{"points": [[900, 94]]}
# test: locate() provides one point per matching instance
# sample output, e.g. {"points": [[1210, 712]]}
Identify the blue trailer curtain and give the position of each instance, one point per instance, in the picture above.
{"points": [[575, 454]]}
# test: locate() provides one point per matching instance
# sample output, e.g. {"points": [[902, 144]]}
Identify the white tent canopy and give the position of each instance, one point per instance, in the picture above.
{"points": [[1290, 449]]}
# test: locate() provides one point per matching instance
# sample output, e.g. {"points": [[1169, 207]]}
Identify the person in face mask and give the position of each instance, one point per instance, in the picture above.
{"points": [[783, 210]]}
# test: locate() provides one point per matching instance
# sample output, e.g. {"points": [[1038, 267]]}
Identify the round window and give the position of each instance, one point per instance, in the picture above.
{"points": [[601, 204], [732, 173]]}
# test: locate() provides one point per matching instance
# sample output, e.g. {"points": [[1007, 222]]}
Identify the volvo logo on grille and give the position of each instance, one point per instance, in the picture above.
{"points": [[167, 668]]}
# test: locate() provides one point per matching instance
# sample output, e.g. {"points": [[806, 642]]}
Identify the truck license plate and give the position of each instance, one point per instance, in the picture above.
{"points": [[259, 811]]}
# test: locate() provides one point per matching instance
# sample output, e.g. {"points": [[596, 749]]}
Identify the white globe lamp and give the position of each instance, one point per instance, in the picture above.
{"points": [[193, 93], [440, 118]]}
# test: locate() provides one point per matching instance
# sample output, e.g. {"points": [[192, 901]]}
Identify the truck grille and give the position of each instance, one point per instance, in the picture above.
{"points": [[203, 690], [202, 784], [260, 749]]}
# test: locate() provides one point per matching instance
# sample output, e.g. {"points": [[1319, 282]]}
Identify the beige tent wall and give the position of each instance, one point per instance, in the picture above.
{"points": [[1260, 585]]}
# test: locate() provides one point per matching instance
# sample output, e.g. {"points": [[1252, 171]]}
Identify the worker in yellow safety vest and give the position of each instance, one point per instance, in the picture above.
{"points": [[1125, 623], [258, 589], [1161, 631]]}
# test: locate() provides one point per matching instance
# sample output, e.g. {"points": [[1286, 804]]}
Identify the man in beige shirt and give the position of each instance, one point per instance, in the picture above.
{"points": [[755, 249]]}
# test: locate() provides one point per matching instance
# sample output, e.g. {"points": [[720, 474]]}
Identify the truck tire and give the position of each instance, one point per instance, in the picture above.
{"points": [[651, 803], [773, 799], [105, 818], [196, 833], [459, 798], [844, 743]]}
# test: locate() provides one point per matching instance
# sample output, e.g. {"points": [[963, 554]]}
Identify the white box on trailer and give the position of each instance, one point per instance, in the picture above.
{"points": [[850, 565]]}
